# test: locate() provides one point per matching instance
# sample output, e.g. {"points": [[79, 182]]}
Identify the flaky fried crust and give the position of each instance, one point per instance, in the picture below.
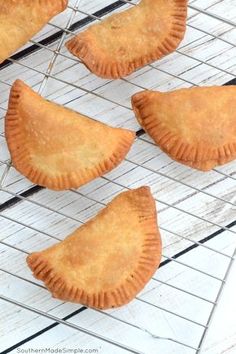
{"points": [[56, 147], [195, 126], [20, 20], [131, 39], [107, 261]]}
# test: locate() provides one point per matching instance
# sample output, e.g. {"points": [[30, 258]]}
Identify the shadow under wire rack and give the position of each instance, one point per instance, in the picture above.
{"points": [[196, 210]]}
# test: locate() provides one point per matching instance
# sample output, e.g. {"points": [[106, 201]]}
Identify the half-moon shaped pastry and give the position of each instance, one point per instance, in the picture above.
{"points": [[108, 260], [56, 147], [131, 39], [195, 126], [20, 20]]}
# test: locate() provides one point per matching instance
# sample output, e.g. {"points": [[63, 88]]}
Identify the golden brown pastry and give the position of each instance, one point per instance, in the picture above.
{"points": [[20, 20], [56, 147], [108, 260], [195, 126], [131, 39]]}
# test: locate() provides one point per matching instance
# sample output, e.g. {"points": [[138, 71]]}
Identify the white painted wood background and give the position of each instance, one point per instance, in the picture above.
{"points": [[192, 205]]}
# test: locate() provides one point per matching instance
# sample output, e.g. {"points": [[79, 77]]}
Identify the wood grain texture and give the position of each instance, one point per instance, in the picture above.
{"points": [[48, 216]]}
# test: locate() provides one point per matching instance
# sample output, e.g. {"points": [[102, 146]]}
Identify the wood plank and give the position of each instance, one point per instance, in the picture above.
{"points": [[51, 216]]}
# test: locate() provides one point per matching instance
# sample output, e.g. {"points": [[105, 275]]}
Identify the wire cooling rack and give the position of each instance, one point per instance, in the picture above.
{"points": [[196, 210]]}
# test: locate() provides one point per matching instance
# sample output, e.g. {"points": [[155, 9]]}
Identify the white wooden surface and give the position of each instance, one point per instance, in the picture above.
{"points": [[221, 337], [192, 205]]}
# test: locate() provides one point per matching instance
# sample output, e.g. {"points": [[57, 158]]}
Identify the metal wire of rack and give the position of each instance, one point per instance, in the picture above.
{"points": [[52, 74]]}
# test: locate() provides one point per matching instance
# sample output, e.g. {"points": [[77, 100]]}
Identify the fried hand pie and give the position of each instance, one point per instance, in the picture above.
{"points": [[195, 126], [20, 20], [106, 262], [56, 147], [129, 40]]}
